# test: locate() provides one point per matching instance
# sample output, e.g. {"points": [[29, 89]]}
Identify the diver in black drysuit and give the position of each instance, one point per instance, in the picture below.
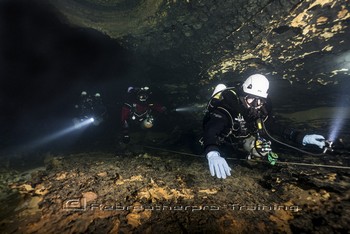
{"points": [[241, 115]]}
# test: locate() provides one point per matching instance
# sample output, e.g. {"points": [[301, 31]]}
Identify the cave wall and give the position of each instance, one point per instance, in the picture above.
{"points": [[300, 41], [48, 55]]}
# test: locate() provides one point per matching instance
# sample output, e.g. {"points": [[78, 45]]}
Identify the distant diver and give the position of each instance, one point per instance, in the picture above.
{"points": [[90, 107], [138, 110]]}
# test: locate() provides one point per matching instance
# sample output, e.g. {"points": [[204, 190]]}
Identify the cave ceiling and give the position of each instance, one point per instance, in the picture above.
{"points": [[205, 41]]}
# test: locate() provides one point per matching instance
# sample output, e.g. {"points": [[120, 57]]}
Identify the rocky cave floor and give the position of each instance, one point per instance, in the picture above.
{"points": [[146, 190]]}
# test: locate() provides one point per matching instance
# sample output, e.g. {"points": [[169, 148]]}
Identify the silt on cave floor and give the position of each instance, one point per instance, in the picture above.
{"points": [[152, 191]]}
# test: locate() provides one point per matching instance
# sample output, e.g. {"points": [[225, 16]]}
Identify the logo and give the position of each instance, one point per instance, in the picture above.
{"points": [[78, 204]]}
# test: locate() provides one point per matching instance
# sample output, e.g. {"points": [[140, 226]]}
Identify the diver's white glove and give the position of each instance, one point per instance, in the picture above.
{"points": [[314, 139], [218, 165]]}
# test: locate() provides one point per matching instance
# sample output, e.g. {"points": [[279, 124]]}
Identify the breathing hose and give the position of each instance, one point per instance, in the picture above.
{"points": [[282, 163], [287, 145]]}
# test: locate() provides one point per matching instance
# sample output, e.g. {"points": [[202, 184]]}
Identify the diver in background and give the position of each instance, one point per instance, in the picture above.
{"points": [[239, 115], [90, 107], [99, 109], [84, 107], [138, 109]]}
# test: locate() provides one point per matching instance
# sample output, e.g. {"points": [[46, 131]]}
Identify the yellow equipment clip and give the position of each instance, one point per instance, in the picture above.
{"points": [[259, 124]]}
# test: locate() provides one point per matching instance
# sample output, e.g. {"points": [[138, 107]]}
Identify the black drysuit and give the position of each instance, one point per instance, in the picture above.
{"points": [[228, 117]]}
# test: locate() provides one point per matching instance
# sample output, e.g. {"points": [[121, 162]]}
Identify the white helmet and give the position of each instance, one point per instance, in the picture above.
{"points": [[83, 93], [218, 88], [130, 89], [97, 95], [257, 85]]}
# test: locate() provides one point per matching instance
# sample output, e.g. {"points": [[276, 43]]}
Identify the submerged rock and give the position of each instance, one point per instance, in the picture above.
{"points": [[94, 191]]}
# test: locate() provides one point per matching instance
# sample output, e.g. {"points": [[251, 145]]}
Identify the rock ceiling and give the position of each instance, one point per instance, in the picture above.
{"points": [[299, 41]]}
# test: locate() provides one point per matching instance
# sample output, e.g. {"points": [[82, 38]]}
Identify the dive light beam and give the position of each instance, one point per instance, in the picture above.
{"points": [[60, 133], [337, 123], [184, 109], [191, 108]]}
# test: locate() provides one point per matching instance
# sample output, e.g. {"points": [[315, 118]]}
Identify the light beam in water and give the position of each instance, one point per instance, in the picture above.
{"points": [[337, 123], [192, 108], [58, 134], [184, 109]]}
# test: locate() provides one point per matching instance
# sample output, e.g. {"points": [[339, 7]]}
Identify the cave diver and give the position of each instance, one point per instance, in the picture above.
{"points": [[90, 107], [138, 110], [238, 116], [99, 109]]}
